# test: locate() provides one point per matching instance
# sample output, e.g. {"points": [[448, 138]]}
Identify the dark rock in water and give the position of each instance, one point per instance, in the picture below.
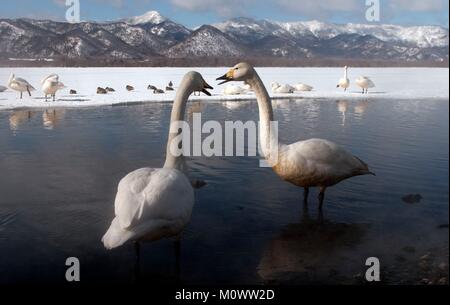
{"points": [[443, 226], [101, 90], [110, 89], [158, 91], [412, 198], [151, 87], [129, 88], [170, 84], [73, 91], [197, 184], [169, 89]]}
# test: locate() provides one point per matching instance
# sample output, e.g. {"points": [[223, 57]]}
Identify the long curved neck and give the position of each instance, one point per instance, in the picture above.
{"points": [[268, 137], [345, 73], [178, 113]]}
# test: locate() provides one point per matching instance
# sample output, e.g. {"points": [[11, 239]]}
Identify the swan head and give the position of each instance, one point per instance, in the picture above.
{"points": [[240, 72], [197, 82]]}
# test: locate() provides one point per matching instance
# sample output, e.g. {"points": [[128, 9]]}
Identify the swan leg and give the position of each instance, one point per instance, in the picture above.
{"points": [[177, 247], [305, 195], [137, 250], [54, 97], [21, 94], [321, 197], [46, 97], [29, 93]]}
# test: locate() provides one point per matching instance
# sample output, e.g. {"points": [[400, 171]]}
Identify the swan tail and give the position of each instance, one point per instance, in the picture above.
{"points": [[116, 236], [365, 170]]}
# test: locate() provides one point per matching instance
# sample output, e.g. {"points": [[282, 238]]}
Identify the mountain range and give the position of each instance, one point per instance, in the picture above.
{"points": [[152, 35]]}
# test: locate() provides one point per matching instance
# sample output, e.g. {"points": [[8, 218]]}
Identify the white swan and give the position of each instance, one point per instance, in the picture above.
{"points": [[277, 88], [3, 88], [156, 203], [303, 87], [344, 82], [50, 85], [19, 84], [310, 163], [364, 83], [233, 90]]}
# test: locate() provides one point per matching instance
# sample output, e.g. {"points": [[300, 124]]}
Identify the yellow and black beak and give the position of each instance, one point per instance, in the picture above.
{"points": [[206, 86], [228, 77]]}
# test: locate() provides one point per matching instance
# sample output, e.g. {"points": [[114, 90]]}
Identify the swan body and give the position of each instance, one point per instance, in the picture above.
{"points": [[3, 88], [50, 85], [156, 203], [310, 163], [277, 88], [364, 83], [20, 85], [151, 204], [344, 82], [233, 90], [303, 87]]}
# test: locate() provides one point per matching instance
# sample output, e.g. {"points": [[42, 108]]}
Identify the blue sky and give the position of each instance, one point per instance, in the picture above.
{"points": [[197, 12]]}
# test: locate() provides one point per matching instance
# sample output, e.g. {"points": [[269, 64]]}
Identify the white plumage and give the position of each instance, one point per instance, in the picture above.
{"points": [[364, 83], [285, 88], [233, 90], [310, 163], [50, 85], [344, 82], [303, 87], [20, 85], [151, 204], [156, 203]]}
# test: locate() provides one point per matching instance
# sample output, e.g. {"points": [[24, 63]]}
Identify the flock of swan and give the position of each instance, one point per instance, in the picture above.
{"points": [[51, 84], [156, 203]]}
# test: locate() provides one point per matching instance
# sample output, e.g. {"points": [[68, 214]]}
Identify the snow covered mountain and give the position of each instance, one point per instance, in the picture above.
{"points": [[153, 35]]}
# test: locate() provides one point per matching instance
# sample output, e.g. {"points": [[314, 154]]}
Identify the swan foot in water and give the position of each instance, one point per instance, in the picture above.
{"points": [[321, 197], [305, 195]]}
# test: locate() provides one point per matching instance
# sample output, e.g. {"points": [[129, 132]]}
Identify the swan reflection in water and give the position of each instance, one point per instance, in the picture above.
{"points": [[342, 108], [51, 117], [19, 117], [311, 251]]}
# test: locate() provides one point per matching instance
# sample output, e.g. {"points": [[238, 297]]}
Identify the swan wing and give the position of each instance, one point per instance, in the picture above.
{"points": [[150, 194], [321, 162]]}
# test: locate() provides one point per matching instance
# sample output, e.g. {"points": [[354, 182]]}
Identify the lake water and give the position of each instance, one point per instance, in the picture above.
{"points": [[60, 169]]}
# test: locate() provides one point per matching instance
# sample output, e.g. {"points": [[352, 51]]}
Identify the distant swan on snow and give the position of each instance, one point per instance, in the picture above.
{"points": [[156, 203], [20, 85], [303, 87], [364, 83], [344, 82], [50, 85], [277, 88], [233, 90], [310, 163]]}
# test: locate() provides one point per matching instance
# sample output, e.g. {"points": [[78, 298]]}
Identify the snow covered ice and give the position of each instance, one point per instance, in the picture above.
{"points": [[391, 83]]}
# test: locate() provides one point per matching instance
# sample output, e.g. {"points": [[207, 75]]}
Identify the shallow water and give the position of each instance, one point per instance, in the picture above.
{"points": [[60, 169]]}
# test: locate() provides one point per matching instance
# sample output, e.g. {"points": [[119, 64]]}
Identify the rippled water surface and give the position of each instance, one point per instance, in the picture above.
{"points": [[60, 169]]}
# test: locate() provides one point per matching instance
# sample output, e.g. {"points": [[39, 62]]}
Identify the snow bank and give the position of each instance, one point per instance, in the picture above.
{"points": [[391, 83]]}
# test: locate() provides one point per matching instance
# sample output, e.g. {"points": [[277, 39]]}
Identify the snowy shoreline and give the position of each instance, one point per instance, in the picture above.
{"points": [[391, 83]]}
